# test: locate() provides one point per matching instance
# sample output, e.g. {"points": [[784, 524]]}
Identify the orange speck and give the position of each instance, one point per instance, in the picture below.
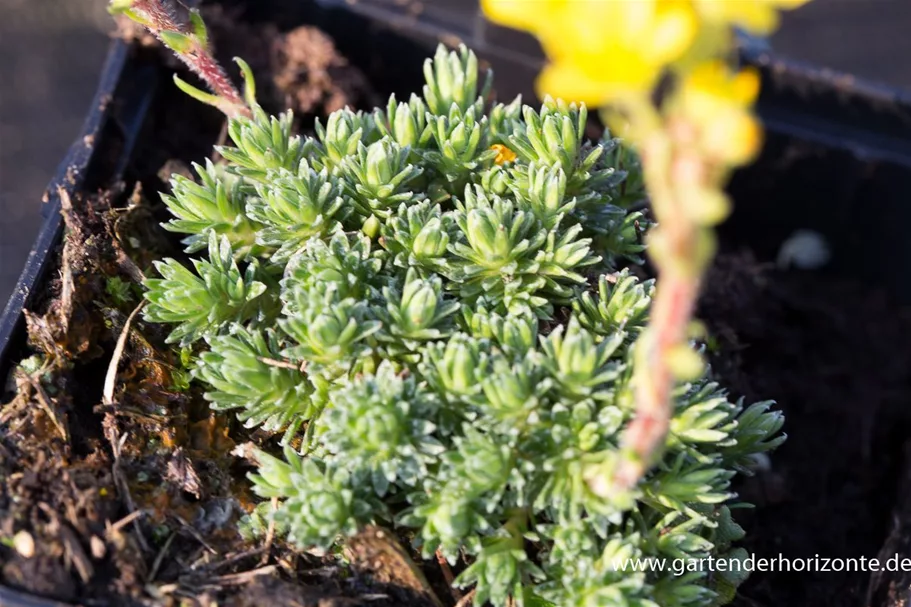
{"points": [[504, 154]]}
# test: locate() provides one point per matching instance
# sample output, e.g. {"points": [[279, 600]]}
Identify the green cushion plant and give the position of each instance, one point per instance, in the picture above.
{"points": [[429, 305]]}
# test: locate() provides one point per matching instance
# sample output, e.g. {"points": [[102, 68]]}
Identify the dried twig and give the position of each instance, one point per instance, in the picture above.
{"points": [[110, 380], [156, 564], [447, 575], [466, 600], [67, 287], [48, 408], [245, 577], [168, 588], [76, 555], [72, 549], [270, 533], [132, 516], [120, 481], [235, 558], [196, 535], [283, 364]]}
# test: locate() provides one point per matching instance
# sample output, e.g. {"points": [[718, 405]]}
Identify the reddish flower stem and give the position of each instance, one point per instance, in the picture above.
{"points": [[643, 439], [162, 17], [672, 169]]}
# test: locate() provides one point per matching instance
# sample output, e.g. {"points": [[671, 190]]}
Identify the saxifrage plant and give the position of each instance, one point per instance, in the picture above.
{"points": [[428, 302]]}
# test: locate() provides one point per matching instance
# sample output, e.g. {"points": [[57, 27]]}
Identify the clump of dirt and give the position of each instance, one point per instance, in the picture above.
{"points": [[836, 356], [312, 75], [300, 69]]}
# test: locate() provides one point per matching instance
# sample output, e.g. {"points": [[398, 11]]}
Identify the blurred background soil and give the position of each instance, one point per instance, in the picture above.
{"points": [[52, 50]]}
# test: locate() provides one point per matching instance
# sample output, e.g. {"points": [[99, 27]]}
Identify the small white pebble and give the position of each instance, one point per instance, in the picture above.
{"points": [[804, 249], [24, 544], [98, 547]]}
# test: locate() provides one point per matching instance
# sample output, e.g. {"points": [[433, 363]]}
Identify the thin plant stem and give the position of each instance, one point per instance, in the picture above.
{"points": [[671, 169], [161, 16]]}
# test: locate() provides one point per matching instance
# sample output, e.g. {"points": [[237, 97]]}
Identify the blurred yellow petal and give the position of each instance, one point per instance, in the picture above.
{"points": [[567, 82], [595, 87], [672, 33], [745, 87], [716, 101], [705, 206], [746, 140], [528, 15], [790, 4], [621, 45], [757, 16], [595, 27], [714, 81], [734, 137]]}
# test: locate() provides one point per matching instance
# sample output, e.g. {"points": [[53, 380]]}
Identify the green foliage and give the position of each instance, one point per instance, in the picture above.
{"points": [[377, 424], [294, 207], [241, 372], [405, 123], [215, 204], [263, 144], [462, 147], [452, 82], [121, 291], [320, 503], [340, 139], [378, 177], [454, 328], [208, 301]]}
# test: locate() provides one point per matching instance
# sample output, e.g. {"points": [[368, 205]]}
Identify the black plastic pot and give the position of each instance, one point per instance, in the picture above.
{"points": [[99, 156], [837, 159]]}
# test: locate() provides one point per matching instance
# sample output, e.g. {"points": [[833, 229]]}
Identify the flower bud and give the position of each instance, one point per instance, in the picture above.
{"points": [[496, 180], [379, 168], [482, 232], [431, 241], [419, 304], [405, 127], [371, 227]]}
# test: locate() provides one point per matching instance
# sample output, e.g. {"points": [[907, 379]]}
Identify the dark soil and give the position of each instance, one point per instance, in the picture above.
{"points": [[134, 496], [300, 69], [836, 356]]}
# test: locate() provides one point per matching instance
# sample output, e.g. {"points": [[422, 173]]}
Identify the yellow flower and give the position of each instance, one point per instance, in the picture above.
{"points": [[757, 16], [529, 15], [600, 49], [718, 102], [504, 154], [713, 82]]}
